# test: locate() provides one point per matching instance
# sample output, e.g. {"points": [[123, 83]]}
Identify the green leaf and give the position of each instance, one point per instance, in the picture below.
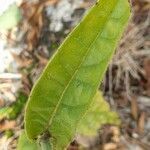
{"points": [[25, 144], [10, 17], [9, 133], [12, 112], [17, 107], [68, 84], [98, 114], [4, 112]]}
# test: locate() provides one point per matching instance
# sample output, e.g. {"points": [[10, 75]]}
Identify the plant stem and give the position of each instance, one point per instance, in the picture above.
{"points": [[45, 145]]}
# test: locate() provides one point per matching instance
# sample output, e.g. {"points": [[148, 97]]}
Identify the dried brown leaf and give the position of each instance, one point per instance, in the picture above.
{"points": [[23, 62], [110, 146], [6, 125], [33, 20], [42, 60]]}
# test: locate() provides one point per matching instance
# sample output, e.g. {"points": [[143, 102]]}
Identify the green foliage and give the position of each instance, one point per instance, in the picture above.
{"points": [[17, 107], [98, 114], [12, 112], [4, 112], [9, 133], [25, 144], [65, 90], [10, 17]]}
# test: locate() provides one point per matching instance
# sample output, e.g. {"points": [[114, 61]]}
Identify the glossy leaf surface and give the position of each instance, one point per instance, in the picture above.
{"points": [[68, 84], [98, 114]]}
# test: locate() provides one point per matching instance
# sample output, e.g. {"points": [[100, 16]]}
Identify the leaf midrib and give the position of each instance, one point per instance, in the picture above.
{"points": [[84, 58]]}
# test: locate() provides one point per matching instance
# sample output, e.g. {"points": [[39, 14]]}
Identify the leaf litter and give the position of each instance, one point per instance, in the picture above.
{"points": [[130, 67]]}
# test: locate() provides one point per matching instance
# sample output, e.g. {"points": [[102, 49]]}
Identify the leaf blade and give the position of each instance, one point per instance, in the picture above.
{"points": [[72, 77], [25, 144], [98, 114]]}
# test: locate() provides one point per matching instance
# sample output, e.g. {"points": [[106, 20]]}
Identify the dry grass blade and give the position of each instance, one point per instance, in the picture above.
{"points": [[10, 76], [141, 122], [133, 48], [147, 74], [134, 108]]}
